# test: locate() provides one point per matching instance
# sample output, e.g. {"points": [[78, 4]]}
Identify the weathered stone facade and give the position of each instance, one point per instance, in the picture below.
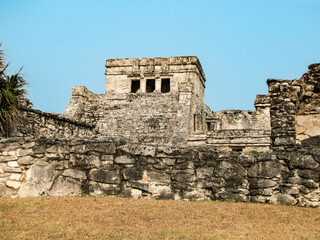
{"points": [[44, 167], [161, 100], [146, 100], [151, 135], [295, 108]]}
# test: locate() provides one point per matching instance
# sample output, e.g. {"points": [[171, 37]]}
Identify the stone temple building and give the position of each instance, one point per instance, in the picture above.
{"points": [[152, 136], [161, 100]]}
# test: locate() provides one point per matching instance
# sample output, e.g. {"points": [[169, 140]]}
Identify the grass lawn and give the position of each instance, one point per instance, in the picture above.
{"points": [[120, 218]]}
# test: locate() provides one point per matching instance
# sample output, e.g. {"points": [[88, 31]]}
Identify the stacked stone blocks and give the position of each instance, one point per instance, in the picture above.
{"points": [[75, 167]]}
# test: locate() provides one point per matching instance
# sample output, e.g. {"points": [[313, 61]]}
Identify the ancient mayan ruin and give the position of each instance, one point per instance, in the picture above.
{"points": [[152, 136], [161, 100]]}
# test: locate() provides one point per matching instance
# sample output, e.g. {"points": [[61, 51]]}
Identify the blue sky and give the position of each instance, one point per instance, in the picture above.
{"points": [[240, 43]]}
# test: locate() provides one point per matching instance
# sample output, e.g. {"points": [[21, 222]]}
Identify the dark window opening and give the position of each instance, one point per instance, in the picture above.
{"points": [[237, 149], [165, 85], [210, 126], [135, 86], [151, 85], [316, 90]]}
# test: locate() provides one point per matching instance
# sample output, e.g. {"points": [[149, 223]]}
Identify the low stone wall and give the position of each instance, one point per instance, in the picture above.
{"points": [[35, 123], [42, 167]]}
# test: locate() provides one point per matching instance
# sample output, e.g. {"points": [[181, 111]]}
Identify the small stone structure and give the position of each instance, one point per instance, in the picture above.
{"points": [[158, 100], [151, 135]]}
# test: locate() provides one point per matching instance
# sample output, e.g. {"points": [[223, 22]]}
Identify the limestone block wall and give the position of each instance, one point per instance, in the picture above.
{"points": [[35, 123], [43, 167], [284, 95], [138, 117]]}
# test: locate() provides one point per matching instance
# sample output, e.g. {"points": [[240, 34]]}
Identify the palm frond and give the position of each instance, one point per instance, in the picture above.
{"points": [[11, 90], [1, 59]]}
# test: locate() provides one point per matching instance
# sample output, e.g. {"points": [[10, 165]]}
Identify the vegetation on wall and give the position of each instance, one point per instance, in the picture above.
{"points": [[11, 91]]}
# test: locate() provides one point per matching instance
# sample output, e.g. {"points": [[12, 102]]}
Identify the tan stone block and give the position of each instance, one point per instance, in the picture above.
{"points": [[74, 173], [136, 193], [65, 187], [302, 137], [300, 129], [12, 170], [28, 145], [3, 179], [310, 122], [24, 152], [13, 184], [4, 153], [144, 177], [15, 176], [125, 159], [13, 164], [12, 153], [26, 160], [107, 158], [7, 158]]}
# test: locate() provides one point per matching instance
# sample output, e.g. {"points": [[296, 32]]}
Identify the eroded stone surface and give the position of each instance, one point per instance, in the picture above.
{"points": [[38, 181], [74, 173], [265, 170], [65, 186], [109, 175]]}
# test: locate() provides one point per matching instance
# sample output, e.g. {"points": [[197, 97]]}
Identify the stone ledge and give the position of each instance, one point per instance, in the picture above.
{"points": [[57, 117], [128, 62]]}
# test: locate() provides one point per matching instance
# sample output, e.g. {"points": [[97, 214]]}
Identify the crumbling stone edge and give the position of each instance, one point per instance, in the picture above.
{"points": [[56, 117]]}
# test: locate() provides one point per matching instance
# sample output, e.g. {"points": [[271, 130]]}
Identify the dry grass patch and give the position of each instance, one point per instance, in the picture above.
{"points": [[119, 218]]}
